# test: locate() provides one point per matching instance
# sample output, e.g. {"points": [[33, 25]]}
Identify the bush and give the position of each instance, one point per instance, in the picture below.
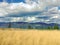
{"points": [[49, 27], [9, 26], [56, 26], [29, 27]]}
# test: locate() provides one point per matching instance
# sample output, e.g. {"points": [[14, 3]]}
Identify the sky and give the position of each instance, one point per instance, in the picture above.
{"points": [[47, 11], [14, 1]]}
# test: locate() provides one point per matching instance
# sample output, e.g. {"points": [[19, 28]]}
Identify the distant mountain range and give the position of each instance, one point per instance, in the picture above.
{"points": [[38, 25]]}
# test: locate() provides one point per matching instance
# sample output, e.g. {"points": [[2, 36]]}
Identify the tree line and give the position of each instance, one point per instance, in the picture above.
{"points": [[49, 27], [30, 27]]}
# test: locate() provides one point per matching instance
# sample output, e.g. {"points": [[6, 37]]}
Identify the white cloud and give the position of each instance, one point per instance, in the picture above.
{"points": [[19, 7], [24, 7], [52, 12], [30, 19], [55, 16], [53, 9], [11, 19], [16, 19], [3, 12]]}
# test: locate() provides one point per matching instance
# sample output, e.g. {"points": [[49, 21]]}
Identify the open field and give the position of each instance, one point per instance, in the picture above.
{"points": [[29, 37]]}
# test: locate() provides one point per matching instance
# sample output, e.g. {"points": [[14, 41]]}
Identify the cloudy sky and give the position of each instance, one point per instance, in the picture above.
{"points": [[47, 11]]}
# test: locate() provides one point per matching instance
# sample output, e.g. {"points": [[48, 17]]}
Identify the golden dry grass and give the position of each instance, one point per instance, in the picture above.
{"points": [[29, 37]]}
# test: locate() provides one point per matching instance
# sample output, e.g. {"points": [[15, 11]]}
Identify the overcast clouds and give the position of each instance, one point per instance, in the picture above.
{"points": [[47, 9]]}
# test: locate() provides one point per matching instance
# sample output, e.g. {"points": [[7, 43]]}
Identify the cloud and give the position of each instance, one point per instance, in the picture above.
{"points": [[31, 11], [45, 2], [11, 19], [53, 10], [29, 6], [31, 19], [17, 19], [8, 8]]}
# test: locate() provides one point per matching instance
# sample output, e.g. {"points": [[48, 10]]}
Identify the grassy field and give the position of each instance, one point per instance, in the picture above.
{"points": [[29, 37]]}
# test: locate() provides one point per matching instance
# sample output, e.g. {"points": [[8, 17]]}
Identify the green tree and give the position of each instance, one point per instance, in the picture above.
{"points": [[9, 25], [49, 27], [29, 27], [56, 26]]}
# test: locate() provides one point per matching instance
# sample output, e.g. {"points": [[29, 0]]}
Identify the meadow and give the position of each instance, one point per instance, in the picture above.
{"points": [[29, 37]]}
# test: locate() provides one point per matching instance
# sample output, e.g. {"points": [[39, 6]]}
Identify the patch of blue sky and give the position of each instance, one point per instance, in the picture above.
{"points": [[13, 1], [1, 0]]}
